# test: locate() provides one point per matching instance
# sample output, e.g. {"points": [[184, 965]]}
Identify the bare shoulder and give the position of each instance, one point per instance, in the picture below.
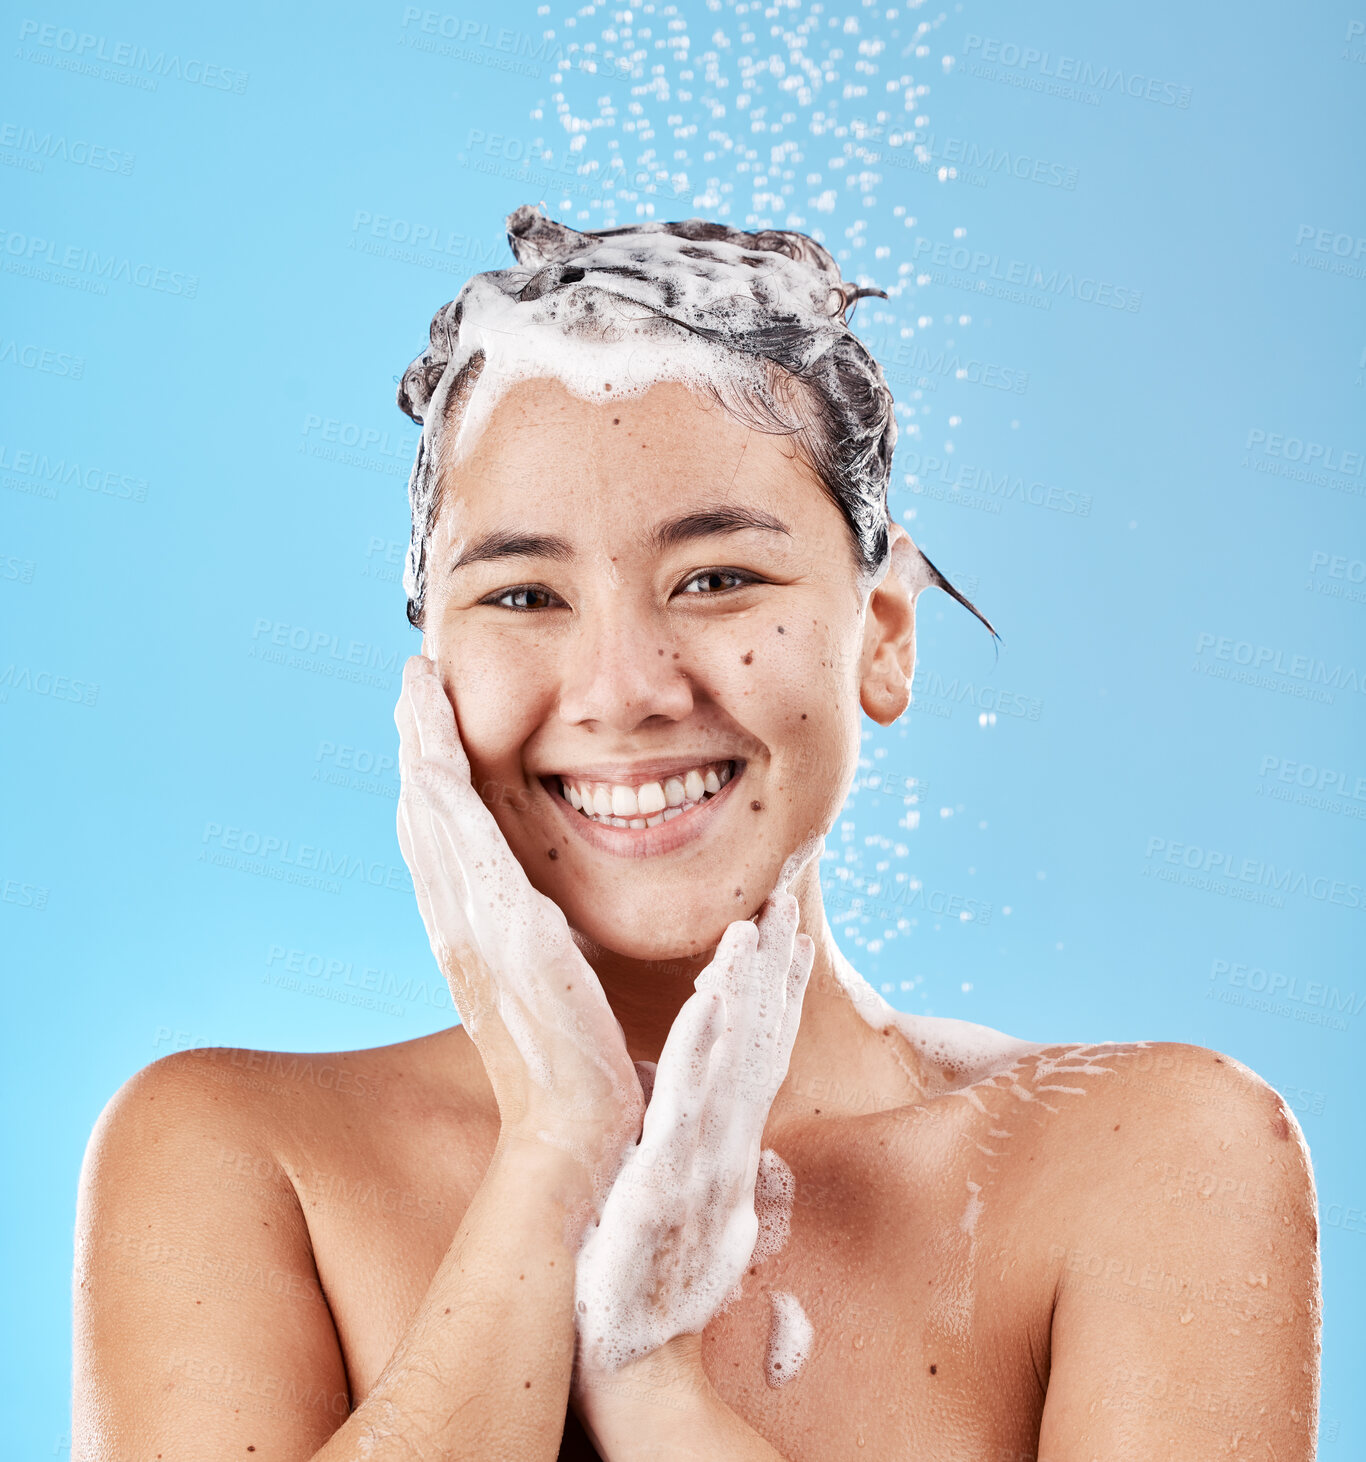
{"points": [[1159, 1200], [1174, 1221], [1142, 1103], [195, 1271], [160, 1116], [292, 1099], [364, 1073], [1160, 1093], [1109, 1134], [1183, 1142], [186, 1274]]}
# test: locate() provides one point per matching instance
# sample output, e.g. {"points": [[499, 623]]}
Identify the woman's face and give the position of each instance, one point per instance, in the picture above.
{"points": [[641, 600]]}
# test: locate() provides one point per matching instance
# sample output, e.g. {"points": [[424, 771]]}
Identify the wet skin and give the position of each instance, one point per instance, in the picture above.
{"points": [[1067, 1255]]}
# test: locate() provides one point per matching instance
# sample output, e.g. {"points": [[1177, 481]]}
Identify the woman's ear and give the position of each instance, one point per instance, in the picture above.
{"points": [[889, 632]]}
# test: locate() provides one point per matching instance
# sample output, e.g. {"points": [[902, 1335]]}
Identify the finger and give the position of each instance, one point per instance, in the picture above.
{"points": [[477, 841], [799, 972], [681, 1074], [437, 932], [481, 893], [409, 745], [751, 1063], [780, 1036], [734, 950], [438, 737], [778, 927], [798, 978], [773, 960], [446, 927], [754, 985], [645, 1074]]}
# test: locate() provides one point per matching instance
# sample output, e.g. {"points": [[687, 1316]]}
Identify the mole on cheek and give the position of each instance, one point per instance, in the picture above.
{"points": [[552, 853], [756, 806], [747, 658]]}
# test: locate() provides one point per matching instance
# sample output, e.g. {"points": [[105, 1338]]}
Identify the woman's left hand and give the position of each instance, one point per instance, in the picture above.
{"points": [[678, 1226]]}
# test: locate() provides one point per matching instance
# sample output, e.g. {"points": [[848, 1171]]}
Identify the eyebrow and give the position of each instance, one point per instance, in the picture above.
{"points": [[504, 543], [705, 522]]}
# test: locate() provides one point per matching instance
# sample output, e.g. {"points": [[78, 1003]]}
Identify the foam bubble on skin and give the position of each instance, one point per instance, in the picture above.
{"points": [[966, 1052], [801, 855], [679, 1225], [975, 1056], [789, 1338], [775, 1189], [973, 1211]]}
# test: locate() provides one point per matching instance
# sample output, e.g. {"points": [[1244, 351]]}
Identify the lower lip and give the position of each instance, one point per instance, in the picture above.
{"points": [[646, 842]]}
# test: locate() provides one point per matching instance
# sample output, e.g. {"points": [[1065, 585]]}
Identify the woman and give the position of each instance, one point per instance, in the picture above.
{"points": [[657, 582]]}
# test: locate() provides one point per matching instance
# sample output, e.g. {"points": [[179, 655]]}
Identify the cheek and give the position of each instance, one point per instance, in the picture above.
{"points": [[780, 660], [499, 695], [796, 689]]}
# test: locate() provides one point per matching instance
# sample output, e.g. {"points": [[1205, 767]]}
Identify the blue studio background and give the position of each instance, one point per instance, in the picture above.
{"points": [[1126, 253]]}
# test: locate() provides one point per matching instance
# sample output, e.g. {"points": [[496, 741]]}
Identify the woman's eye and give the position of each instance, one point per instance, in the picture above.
{"points": [[712, 581], [526, 596]]}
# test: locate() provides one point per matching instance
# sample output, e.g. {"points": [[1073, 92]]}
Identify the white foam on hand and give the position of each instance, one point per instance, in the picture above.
{"points": [[530, 1001], [679, 1224]]}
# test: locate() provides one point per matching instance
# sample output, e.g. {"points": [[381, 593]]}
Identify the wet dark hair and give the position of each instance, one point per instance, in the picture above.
{"points": [[821, 386]]}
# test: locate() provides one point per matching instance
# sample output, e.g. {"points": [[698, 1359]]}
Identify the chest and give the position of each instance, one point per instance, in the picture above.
{"points": [[880, 1327]]}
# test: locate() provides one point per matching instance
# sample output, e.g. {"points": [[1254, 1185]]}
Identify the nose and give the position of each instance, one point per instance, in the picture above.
{"points": [[621, 669]]}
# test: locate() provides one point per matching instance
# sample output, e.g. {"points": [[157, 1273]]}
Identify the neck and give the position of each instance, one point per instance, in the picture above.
{"points": [[839, 1062]]}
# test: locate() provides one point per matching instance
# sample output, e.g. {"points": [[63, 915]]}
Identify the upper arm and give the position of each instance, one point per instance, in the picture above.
{"points": [[1187, 1315], [199, 1325]]}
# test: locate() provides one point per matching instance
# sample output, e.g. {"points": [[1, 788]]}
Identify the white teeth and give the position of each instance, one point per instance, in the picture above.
{"points": [[651, 799], [651, 803]]}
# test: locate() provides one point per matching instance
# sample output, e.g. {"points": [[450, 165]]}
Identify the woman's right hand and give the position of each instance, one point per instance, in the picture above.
{"points": [[554, 1052]]}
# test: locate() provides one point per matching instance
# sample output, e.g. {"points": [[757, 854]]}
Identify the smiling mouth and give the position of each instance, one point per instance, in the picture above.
{"points": [[648, 804]]}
